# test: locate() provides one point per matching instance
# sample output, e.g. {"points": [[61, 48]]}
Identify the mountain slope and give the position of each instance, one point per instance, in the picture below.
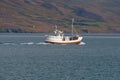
{"points": [[42, 15]]}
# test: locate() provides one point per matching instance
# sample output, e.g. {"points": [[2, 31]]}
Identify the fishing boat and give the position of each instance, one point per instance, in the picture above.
{"points": [[60, 38]]}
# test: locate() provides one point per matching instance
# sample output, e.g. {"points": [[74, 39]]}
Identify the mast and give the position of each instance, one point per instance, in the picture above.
{"points": [[55, 27], [72, 25]]}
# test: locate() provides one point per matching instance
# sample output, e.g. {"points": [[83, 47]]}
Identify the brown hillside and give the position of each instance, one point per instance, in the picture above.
{"points": [[41, 15]]}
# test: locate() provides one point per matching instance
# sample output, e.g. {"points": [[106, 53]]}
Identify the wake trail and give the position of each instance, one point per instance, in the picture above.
{"points": [[32, 43]]}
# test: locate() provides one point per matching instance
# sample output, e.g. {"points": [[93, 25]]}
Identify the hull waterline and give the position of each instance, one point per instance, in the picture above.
{"points": [[77, 42]]}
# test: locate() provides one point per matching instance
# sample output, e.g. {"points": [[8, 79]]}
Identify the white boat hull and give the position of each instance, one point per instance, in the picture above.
{"points": [[65, 42]]}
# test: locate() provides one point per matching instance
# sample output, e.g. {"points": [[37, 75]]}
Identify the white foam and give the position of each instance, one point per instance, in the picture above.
{"points": [[82, 43], [8, 43], [42, 43], [27, 43]]}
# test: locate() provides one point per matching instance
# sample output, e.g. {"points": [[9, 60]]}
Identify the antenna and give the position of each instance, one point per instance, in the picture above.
{"points": [[55, 27], [72, 25]]}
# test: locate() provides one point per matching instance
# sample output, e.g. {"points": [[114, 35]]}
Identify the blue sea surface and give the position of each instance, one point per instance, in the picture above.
{"points": [[25, 56]]}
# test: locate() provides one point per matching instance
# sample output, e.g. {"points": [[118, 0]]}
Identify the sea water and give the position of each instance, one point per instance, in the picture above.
{"points": [[27, 57]]}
